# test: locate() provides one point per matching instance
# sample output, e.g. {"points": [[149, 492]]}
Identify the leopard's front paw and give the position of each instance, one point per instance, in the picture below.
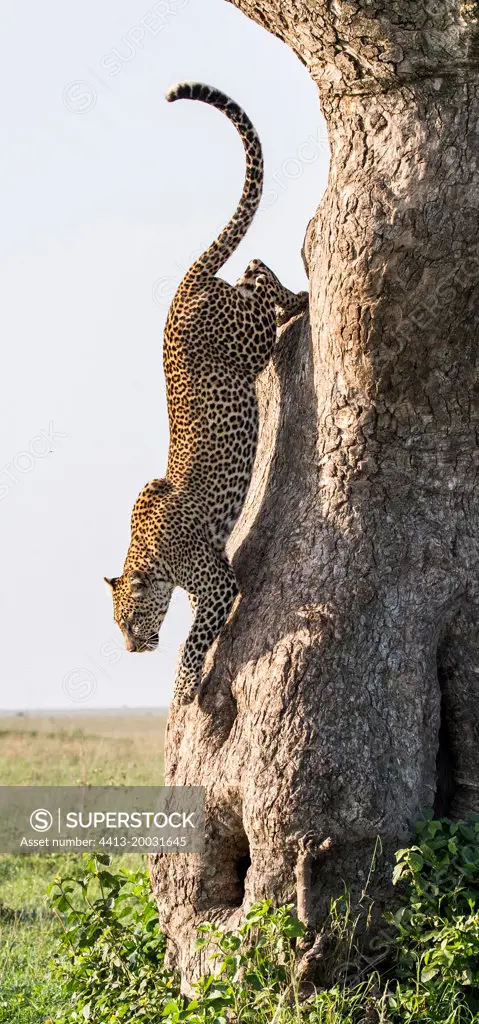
{"points": [[186, 685], [297, 304], [302, 301]]}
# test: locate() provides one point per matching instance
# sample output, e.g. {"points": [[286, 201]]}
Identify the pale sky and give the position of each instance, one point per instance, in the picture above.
{"points": [[108, 193]]}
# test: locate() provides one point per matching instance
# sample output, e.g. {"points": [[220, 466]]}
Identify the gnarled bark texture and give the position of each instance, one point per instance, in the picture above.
{"points": [[343, 695]]}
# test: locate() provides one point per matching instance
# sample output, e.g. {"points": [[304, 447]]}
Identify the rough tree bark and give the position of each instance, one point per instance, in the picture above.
{"points": [[343, 695]]}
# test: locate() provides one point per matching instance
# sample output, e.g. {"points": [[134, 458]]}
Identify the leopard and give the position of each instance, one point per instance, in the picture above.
{"points": [[218, 338]]}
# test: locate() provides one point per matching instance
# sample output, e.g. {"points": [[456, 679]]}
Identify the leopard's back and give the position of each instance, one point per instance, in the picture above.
{"points": [[212, 406]]}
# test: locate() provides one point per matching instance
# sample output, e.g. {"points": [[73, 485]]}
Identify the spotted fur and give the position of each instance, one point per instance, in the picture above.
{"points": [[218, 338]]}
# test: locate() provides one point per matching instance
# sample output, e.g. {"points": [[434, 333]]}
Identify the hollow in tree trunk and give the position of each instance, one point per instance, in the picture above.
{"points": [[343, 694]]}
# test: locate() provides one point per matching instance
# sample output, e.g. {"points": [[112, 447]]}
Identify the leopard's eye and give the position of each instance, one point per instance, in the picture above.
{"points": [[136, 629]]}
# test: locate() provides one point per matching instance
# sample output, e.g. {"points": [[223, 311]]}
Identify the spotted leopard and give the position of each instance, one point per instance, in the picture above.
{"points": [[218, 338]]}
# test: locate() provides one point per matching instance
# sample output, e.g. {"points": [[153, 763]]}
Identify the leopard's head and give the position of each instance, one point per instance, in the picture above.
{"points": [[140, 603]]}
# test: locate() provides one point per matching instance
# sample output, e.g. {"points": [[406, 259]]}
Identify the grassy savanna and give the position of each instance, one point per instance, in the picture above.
{"points": [[81, 749], [59, 749]]}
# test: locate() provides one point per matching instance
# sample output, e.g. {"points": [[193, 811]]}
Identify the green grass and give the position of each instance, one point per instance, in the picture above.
{"points": [[27, 994], [76, 750], [57, 749]]}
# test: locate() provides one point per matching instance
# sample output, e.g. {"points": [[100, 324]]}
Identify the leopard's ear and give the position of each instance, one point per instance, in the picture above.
{"points": [[112, 582]]}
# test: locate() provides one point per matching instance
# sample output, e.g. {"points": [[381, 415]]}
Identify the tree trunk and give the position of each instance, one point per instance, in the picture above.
{"points": [[343, 696]]}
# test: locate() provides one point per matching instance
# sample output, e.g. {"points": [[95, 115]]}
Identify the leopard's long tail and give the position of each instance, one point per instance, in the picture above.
{"points": [[229, 238]]}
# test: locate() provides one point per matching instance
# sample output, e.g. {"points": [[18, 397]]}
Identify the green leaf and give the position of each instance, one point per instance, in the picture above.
{"points": [[294, 928], [107, 878], [416, 862], [398, 870], [170, 1008], [256, 982], [428, 973]]}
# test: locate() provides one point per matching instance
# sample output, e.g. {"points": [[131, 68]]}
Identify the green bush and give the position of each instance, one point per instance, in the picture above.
{"points": [[437, 927], [111, 958], [111, 951]]}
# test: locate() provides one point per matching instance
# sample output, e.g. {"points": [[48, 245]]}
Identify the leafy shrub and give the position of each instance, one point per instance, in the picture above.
{"points": [[112, 952], [437, 926]]}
